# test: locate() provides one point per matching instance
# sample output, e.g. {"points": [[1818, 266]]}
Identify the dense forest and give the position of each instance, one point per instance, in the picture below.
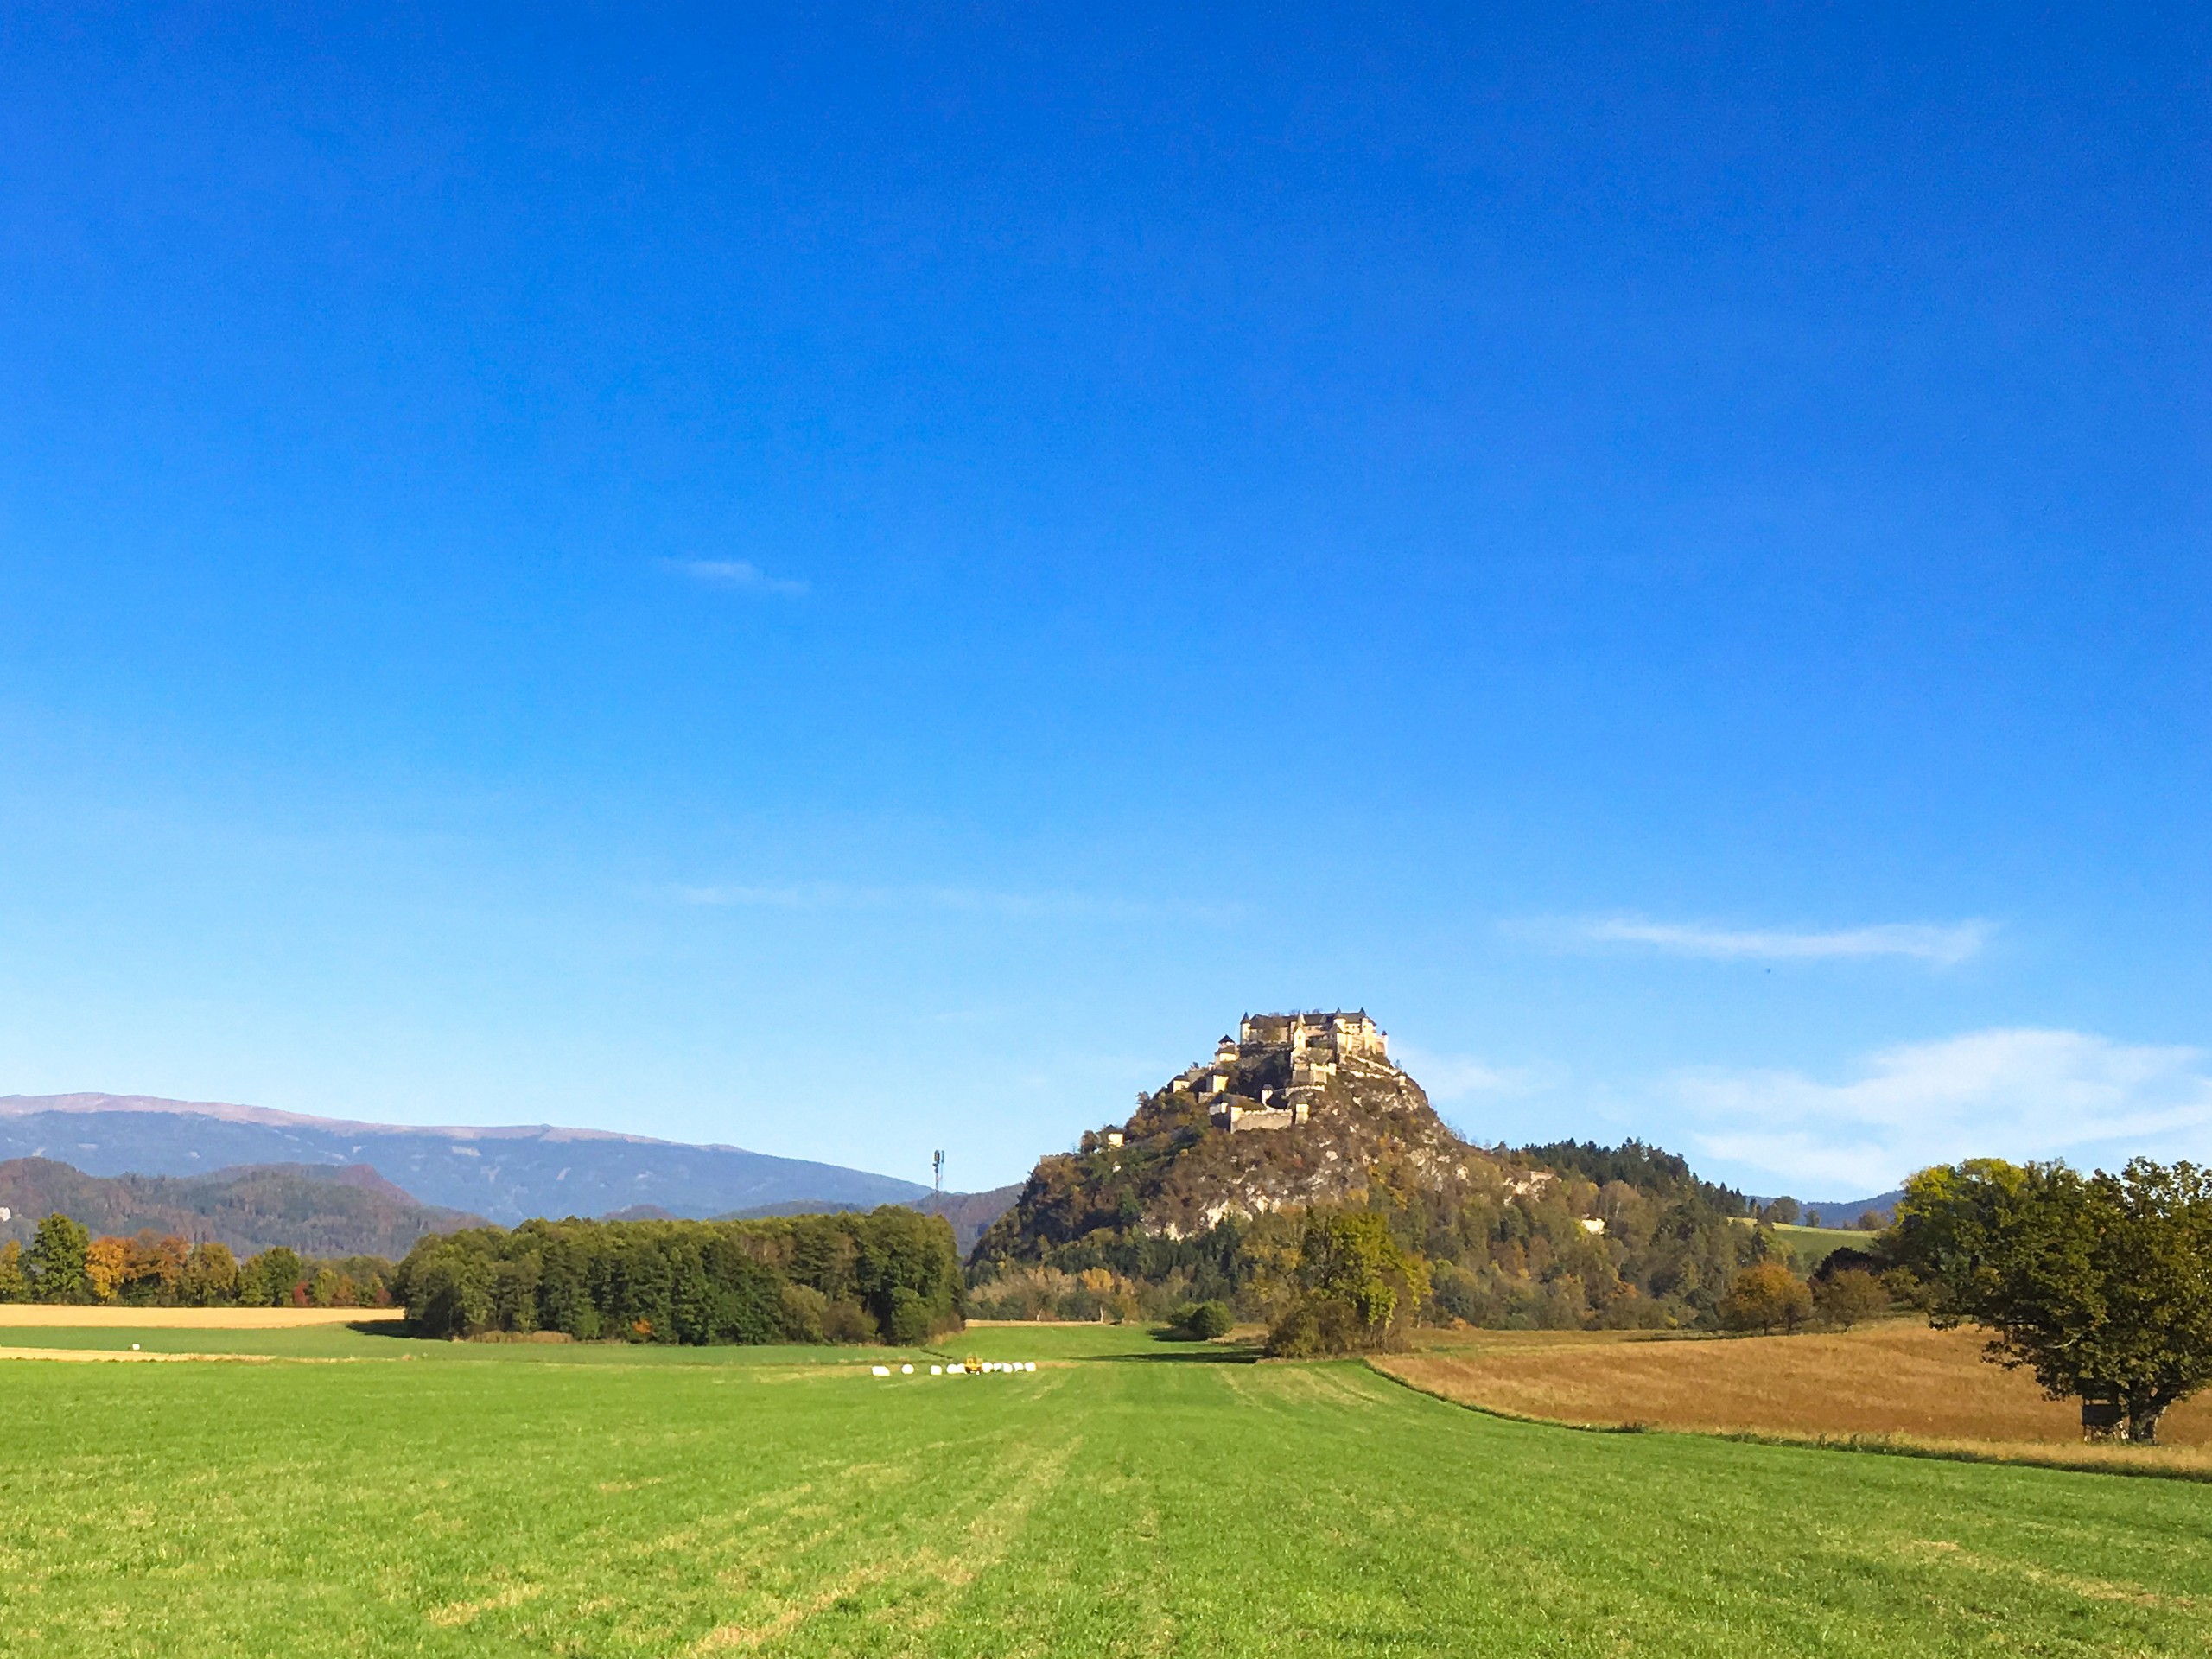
{"points": [[890, 1276], [1521, 1251]]}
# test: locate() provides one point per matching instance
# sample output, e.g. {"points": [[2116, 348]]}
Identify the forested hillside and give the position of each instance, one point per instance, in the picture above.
{"points": [[1171, 1207], [314, 1210]]}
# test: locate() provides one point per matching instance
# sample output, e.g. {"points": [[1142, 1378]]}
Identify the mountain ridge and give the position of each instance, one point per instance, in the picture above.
{"points": [[505, 1172]]}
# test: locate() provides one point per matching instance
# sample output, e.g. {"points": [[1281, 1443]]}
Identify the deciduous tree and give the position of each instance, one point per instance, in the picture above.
{"points": [[107, 1267], [56, 1260], [1765, 1295], [2099, 1285], [1354, 1278], [1849, 1296]]}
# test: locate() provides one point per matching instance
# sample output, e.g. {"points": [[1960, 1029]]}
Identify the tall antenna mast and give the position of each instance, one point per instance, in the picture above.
{"points": [[937, 1180]]}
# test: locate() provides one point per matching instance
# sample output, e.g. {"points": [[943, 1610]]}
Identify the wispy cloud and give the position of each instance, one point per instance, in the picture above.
{"points": [[1944, 944], [1464, 1077], [737, 575], [2010, 1093]]}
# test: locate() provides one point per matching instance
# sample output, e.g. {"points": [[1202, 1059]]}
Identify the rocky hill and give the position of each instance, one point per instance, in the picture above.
{"points": [[1297, 1109], [317, 1211]]}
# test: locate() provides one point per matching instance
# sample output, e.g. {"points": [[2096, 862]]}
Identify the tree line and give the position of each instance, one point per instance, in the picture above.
{"points": [[66, 1264], [890, 1276]]}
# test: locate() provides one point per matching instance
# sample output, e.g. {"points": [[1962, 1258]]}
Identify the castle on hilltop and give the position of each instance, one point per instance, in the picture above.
{"points": [[1337, 1032], [1284, 1061]]}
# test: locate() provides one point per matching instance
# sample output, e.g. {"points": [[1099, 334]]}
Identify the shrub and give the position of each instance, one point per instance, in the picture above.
{"points": [[1316, 1328], [848, 1323], [1202, 1321]]}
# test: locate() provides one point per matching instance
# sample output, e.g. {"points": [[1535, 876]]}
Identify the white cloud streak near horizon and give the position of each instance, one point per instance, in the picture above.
{"points": [[2018, 1093], [1944, 945], [737, 575]]}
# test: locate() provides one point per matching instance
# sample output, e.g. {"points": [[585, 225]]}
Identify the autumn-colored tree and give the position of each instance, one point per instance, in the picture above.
{"points": [[157, 1266], [107, 1266], [15, 1283], [1849, 1296], [1765, 1295]]}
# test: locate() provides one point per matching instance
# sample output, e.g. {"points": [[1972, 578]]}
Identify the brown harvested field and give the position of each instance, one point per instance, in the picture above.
{"points": [[192, 1318], [1896, 1380]]}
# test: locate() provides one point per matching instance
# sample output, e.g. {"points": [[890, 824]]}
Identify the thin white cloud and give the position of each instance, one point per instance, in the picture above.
{"points": [[1943, 945], [737, 575], [2008, 1093], [1463, 1076]]}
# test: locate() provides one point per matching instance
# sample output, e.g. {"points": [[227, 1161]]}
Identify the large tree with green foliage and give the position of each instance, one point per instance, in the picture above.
{"points": [[1354, 1278], [2099, 1285], [56, 1260]]}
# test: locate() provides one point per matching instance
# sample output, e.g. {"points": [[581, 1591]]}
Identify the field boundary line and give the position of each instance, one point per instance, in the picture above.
{"points": [[99, 1317], [96, 1355], [2005, 1453]]}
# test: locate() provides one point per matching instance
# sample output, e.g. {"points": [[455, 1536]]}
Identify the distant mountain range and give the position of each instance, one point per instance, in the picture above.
{"points": [[506, 1174], [351, 1210]]}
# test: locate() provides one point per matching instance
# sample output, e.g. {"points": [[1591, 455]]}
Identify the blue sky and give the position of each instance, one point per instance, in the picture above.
{"points": [[867, 582]]}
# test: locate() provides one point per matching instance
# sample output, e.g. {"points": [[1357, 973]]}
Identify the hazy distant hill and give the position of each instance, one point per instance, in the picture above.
{"points": [[1845, 1213], [507, 1175], [317, 1211], [970, 1213]]}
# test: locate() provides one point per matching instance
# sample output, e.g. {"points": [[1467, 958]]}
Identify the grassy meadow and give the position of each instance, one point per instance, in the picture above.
{"points": [[1808, 1247], [1130, 1497]]}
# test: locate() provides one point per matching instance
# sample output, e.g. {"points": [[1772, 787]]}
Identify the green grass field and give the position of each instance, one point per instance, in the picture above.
{"points": [[497, 1500], [1808, 1247]]}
